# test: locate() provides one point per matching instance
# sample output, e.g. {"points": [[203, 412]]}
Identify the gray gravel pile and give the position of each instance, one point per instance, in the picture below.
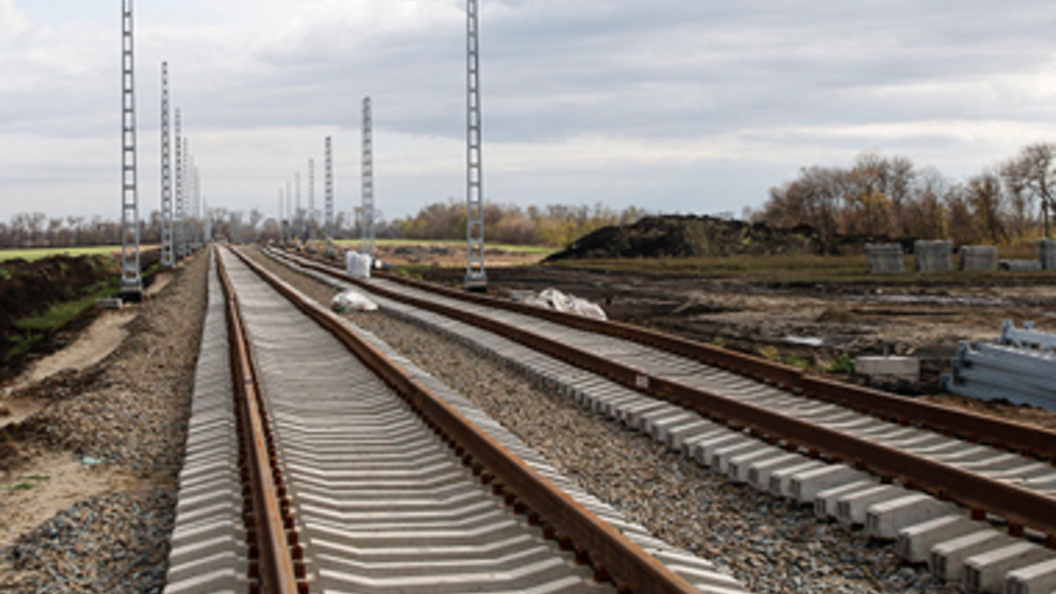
{"points": [[763, 541], [135, 411], [131, 417], [109, 544]]}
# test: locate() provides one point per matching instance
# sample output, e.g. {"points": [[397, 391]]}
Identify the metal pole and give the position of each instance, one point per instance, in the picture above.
{"points": [[167, 257], [329, 188], [311, 197], [187, 181], [476, 278], [131, 281], [180, 233], [368, 179], [199, 226]]}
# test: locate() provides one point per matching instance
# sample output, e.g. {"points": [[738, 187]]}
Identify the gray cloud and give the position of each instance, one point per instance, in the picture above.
{"points": [[693, 105]]}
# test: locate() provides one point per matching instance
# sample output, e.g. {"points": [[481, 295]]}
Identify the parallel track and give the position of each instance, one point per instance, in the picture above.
{"points": [[786, 408], [696, 376], [364, 474]]}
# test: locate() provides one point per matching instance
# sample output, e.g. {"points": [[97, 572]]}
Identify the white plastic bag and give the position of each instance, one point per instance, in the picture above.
{"points": [[358, 265], [556, 300], [352, 301]]}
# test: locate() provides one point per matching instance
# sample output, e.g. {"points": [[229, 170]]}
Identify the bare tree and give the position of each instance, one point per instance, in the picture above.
{"points": [[1034, 170], [984, 195]]}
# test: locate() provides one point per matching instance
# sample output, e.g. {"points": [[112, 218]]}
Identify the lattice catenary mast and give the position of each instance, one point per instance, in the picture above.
{"points": [[188, 196], [131, 281], [476, 278], [199, 221], [329, 188], [289, 207], [311, 197], [367, 237], [168, 259], [180, 230], [298, 213]]}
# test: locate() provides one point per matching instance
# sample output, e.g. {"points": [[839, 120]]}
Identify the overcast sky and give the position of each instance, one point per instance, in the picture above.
{"points": [[693, 106]]}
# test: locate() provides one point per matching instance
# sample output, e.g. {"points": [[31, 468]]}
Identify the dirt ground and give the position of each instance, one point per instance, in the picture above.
{"points": [[809, 326], [90, 445], [47, 481], [445, 255]]}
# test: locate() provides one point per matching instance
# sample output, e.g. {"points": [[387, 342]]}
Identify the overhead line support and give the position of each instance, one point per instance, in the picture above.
{"points": [[131, 281], [168, 259], [476, 278]]}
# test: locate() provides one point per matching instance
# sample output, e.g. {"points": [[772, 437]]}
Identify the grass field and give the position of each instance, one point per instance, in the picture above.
{"points": [[39, 253], [799, 270], [525, 249]]}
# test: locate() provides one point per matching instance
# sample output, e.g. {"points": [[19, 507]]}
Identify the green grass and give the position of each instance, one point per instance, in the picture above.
{"points": [[40, 253], [796, 270], [4, 275], [525, 249], [776, 267], [34, 329]]}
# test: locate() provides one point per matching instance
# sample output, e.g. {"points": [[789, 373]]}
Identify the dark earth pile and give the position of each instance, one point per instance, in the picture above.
{"points": [[30, 288], [687, 236]]}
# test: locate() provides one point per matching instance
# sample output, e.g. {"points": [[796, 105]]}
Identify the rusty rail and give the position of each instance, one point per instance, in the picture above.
{"points": [[1019, 506], [1028, 439], [280, 568], [612, 554]]}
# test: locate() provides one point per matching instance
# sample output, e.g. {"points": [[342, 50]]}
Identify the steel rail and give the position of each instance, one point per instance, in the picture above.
{"points": [[278, 571], [1030, 440], [1021, 507], [612, 554]]}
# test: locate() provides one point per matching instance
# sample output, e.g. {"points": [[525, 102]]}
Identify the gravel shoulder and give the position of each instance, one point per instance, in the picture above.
{"points": [[767, 543], [88, 482]]}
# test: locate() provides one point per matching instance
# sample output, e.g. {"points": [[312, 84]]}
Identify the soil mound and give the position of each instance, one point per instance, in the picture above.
{"points": [[30, 288], [689, 237]]}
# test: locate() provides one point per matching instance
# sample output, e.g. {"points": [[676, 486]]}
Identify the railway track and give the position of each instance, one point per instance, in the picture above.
{"points": [[905, 463], [318, 459]]}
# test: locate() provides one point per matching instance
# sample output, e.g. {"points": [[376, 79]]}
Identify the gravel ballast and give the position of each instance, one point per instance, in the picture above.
{"points": [[126, 415], [767, 543]]}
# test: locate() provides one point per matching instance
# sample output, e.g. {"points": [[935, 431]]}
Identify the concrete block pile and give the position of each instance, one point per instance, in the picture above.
{"points": [[979, 258], [1047, 249], [1020, 366], [884, 258], [934, 256]]}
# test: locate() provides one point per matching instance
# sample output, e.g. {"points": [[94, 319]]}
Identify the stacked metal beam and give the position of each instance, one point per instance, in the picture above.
{"points": [[1047, 249], [979, 258], [1019, 367], [934, 256], [884, 258]]}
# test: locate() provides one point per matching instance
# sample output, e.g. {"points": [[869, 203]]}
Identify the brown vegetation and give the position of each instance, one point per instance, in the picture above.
{"points": [[554, 225], [888, 196]]}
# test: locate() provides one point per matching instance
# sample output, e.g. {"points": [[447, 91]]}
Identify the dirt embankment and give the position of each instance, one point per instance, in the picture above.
{"points": [[31, 288], [679, 236]]}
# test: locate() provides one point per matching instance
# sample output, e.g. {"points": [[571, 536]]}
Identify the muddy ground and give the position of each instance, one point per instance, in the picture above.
{"points": [[813, 326]]}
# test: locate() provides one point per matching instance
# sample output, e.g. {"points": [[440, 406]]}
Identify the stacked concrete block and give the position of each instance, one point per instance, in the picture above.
{"points": [[934, 256], [884, 258], [1020, 367], [1047, 249], [979, 258], [1020, 265]]}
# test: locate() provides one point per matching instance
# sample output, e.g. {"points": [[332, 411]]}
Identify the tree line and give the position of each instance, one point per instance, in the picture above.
{"points": [[880, 196], [553, 225]]}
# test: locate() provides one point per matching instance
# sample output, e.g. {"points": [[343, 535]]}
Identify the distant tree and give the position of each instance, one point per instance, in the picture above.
{"points": [[984, 195], [1034, 170]]}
